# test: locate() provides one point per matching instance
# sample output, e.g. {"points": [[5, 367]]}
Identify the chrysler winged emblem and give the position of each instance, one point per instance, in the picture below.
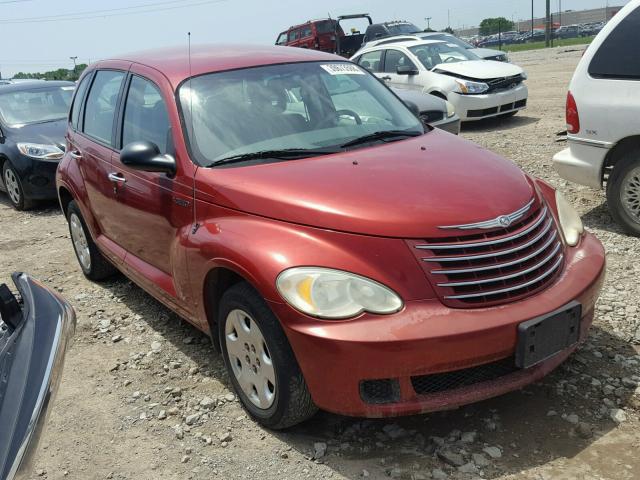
{"points": [[503, 221]]}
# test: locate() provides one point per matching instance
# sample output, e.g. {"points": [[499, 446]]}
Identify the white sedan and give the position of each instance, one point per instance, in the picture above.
{"points": [[477, 88]]}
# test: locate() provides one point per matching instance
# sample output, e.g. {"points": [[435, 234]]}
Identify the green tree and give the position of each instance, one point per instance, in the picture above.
{"points": [[490, 26], [59, 74], [448, 30]]}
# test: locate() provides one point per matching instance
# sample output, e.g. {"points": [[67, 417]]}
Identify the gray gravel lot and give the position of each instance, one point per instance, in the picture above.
{"points": [[144, 396]]}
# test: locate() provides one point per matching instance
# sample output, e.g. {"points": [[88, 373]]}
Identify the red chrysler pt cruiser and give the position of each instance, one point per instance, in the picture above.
{"points": [[341, 254]]}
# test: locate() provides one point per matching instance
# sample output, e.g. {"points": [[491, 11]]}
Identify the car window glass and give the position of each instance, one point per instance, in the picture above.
{"points": [[77, 102], [282, 39], [434, 54], [306, 32], [145, 115], [372, 61], [37, 104], [619, 55], [394, 59], [101, 105], [294, 35]]}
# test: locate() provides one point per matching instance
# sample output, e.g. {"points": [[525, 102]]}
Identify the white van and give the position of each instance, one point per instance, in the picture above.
{"points": [[603, 118]]}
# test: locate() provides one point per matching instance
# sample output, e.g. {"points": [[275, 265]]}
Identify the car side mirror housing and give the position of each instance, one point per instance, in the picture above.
{"points": [[407, 70], [146, 156], [413, 107]]}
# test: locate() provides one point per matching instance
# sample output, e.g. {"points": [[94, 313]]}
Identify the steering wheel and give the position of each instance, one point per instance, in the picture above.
{"points": [[450, 60], [342, 113]]}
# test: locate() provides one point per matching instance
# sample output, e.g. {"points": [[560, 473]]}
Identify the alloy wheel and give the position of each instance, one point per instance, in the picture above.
{"points": [[12, 186], [630, 193], [80, 243], [250, 359]]}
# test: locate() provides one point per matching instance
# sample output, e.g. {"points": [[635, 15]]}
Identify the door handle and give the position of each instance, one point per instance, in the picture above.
{"points": [[117, 178], [75, 154], [386, 78]]}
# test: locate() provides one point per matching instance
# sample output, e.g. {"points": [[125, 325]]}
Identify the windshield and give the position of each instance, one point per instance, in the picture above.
{"points": [[433, 54], [41, 104], [402, 28], [302, 106]]}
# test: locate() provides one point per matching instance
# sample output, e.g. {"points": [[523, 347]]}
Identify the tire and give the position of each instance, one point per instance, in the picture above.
{"points": [[241, 310], [94, 265], [623, 192], [13, 187]]}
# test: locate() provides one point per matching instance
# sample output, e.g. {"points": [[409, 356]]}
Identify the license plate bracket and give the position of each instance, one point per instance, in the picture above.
{"points": [[545, 336]]}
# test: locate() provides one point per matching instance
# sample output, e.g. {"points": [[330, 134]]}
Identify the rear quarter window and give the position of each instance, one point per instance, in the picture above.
{"points": [[619, 55]]}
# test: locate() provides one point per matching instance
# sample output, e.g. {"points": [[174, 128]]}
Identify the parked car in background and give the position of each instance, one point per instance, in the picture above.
{"points": [[36, 330], [379, 31], [432, 110], [603, 105], [591, 29], [32, 125], [484, 53], [477, 88], [567, 31], [314, 34], [342, 255]]}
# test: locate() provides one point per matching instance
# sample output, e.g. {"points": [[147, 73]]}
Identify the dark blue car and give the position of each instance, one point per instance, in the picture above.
{"points": [[32, 126]]}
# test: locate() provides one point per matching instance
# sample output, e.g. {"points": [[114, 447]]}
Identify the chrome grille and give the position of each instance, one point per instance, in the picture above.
{"points": [[494, 266]]}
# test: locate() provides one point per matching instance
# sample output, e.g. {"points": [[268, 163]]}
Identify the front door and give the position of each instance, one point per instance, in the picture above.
{"points": [[154, 210], [392, 60]]}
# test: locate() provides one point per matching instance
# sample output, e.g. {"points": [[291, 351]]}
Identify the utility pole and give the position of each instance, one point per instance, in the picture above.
{"points": [[428, 19], [74, 65], [560, 12], [448, 18], [532, 20], [547, 30]]}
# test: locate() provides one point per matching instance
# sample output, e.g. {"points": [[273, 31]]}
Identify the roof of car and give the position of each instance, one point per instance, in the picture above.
{"points": [[175, 65], [16, 87], [403, 43]]}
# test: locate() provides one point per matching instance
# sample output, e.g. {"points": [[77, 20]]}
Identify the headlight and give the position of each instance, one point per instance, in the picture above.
{"points": [[328, 293], [524, 75], [471, 88], [41, 152], [451, 111], [570, 221]]}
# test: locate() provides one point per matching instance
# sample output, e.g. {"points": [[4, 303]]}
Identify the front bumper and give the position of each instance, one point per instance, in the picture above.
{"points": [[451, 125], [478, 107], [428, 338], [39, 181], [582, 162], [34, 358]]}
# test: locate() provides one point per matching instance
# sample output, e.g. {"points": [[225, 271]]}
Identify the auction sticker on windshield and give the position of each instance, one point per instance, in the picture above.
{"points": [[342, 69]]}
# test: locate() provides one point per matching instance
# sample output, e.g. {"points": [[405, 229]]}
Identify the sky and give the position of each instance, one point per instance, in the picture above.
{"points": [[37, 35]]}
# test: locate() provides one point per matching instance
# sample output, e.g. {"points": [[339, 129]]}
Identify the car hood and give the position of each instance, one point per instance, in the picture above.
{"points": [[487, 52], [48, 133], [403, 189], [480, 69]]}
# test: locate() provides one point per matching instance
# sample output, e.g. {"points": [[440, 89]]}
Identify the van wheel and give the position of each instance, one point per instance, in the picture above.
{"points": [[94, 265], [13, 187], [259, 360], [623, 192]]}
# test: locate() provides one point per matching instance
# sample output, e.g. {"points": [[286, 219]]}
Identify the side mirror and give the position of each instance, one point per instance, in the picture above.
{"points": [[145, 156], [407, 70], [413, 107]]}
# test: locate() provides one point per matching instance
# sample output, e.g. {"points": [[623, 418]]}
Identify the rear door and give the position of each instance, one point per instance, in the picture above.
{"points": [[91, 144]]}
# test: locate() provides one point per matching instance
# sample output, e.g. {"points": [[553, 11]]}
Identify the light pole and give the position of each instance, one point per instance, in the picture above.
{"points": [[74, 64], [428, 19]]}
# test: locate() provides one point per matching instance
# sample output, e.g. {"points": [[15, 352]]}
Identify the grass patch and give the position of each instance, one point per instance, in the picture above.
{"points": [[521, 47]]}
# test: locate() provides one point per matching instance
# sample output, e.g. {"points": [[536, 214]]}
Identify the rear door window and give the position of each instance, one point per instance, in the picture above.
{"points": [[294, 35], [101, 105], [145, 115], [619, 55], [372, 61], [306, 32]]}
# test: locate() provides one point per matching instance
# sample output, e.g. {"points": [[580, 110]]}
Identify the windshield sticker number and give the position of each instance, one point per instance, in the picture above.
{"points": [[342, 69]]}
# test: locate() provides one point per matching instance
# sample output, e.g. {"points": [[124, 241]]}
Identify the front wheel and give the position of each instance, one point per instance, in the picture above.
{"points": [[13, 186], [623, 192], [261, 365]]}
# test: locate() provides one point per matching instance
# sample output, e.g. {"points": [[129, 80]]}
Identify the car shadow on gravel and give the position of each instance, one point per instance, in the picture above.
{"points": [[498, 123], [600, 218], [529, 427], [47, 208]]}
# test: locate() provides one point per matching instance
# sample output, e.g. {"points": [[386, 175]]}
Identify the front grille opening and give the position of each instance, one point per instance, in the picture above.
{"points": [[482, 113], [520, 103], [378, 392], [442, 382]]}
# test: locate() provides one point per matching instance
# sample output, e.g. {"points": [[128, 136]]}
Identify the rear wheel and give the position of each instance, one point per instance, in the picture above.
{"points": [[623, 192], [94, 265], [13, 186], [261, 365]]}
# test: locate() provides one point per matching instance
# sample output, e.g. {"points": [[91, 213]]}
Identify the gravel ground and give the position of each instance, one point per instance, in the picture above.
{"points": [[144, 395]]}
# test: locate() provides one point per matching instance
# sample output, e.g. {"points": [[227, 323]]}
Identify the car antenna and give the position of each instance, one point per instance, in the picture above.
{"points": [[196, 225]]}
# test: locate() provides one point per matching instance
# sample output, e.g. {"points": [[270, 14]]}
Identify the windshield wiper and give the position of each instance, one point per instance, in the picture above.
{"points": [[382, 135], [284, 154]]}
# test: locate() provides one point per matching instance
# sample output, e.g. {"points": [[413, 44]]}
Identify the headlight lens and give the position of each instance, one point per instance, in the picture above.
{"points": [[41, 152], [570, 221], [468, 87], [524, 75], [334, 294], [451, 111]]}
